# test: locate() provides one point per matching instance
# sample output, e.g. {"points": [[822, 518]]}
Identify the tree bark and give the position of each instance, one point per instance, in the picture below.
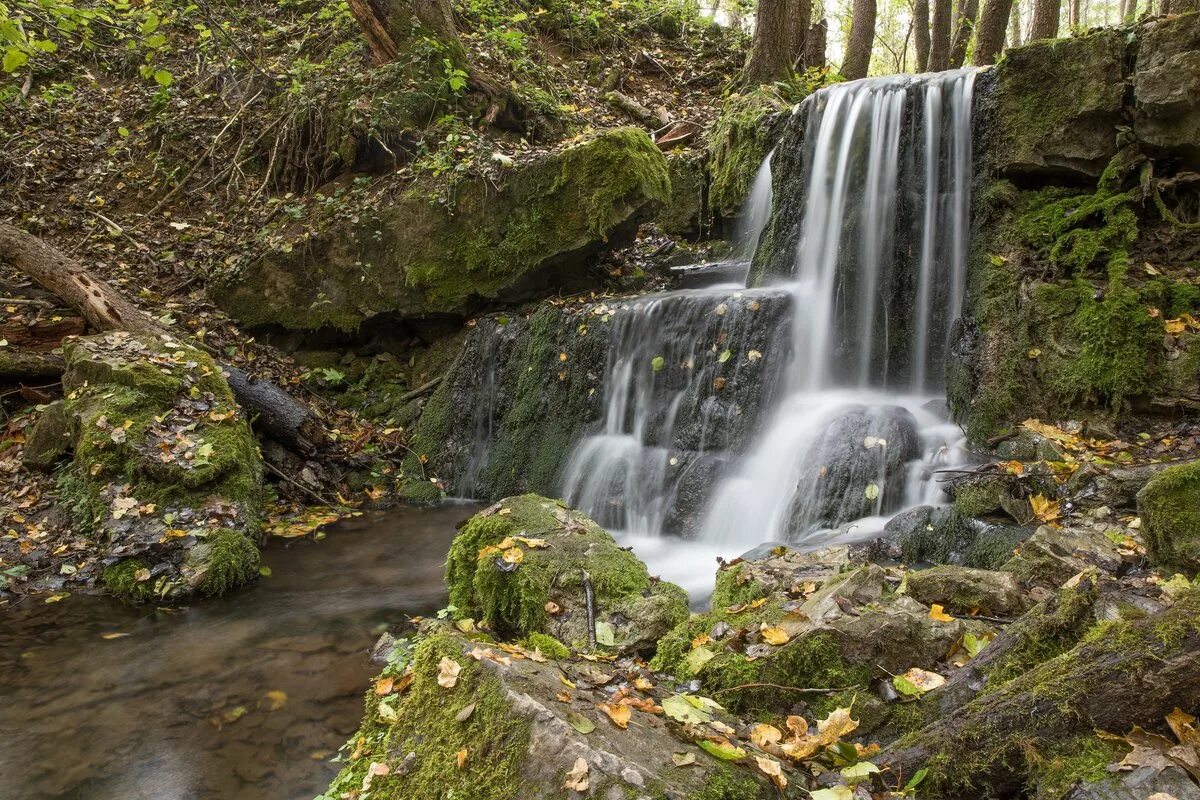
{"points": [[1133, 673], [814, 44], [799, 24], [1073, 12], [1045, 19], [939, 36], [106, 309], [921, 33], [967, 12], [771, 56], [989, 33], [1014, 25], [862, 38]]}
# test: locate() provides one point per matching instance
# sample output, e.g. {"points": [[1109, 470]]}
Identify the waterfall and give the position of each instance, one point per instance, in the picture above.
{"points": [[876, 281]]}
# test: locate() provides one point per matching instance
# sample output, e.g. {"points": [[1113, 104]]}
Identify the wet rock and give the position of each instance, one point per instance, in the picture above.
{"points": [[1166, 86], [1142, 783], [1170, 510], [966, 591], [1053, 556], [165, 474], [926, 534], [777, 568], [420, 257], [1117, 487], [50, 438], [1061, 127], [501, 729], [856, 467], [681, 213], [845, 592], [525, 564]]}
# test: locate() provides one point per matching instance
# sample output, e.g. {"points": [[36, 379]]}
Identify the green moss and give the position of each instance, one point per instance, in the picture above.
{"points": [[549, 646], [418, 492], [495, 738], [514, 602], [734, 588], [726, 784], [1043, 636], [1170, 509], [229, 560], [121, 579], [1064, 764], [738, 142], [977, 499]]}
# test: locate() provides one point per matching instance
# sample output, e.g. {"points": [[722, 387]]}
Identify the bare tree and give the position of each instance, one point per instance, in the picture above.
{"points": [[814, 45], [939, 36], [862, 37], [967, 11], [771, 55], [921, 33], [989, 34], [1045, 19]]}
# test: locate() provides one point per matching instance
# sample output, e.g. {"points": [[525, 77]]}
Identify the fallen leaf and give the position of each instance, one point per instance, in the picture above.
{"points": [[797, 725], [722, 749], [386, 712], [619, 714], [552, 608], [938, 614], [763, 735], [577, 777], [696, 659], [1044, 509], [772, 769], [917, 682], [835, 793], [376, 768], [580, 723], [465, 713], [683, 759], [448, 670], [836, 725], [384, 685], [460, 758], [276, 699], [776, 636], [1183, 725]]}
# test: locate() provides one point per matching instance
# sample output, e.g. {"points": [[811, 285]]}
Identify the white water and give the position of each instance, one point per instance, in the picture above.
{"points": [[852, 429]]}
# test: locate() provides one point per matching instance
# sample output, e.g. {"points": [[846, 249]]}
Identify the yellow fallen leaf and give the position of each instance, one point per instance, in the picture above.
{"points": [[764, 734], [835, 726], [772, 769], [460, 758], [384, 685], [276, 699], [797, 725], [1183, 725], [938, 614], [701, 640], [514, 555], [565, 682], [448, 670], [1044, 509], [776, 636], [644, 684], [619, 714]]}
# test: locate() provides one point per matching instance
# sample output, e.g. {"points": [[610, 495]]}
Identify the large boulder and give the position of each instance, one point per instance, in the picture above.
{"points": [[927, 534], [1055, 107], [1166, 86], [968, 591], [165, 475], [470, 719], [420, 257], [530, 565], [1170, 509]]}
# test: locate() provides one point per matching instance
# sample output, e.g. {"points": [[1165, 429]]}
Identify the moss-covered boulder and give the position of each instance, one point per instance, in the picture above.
{"points": [[530, 565], [968, 591], [165, 476], [1166, 86], [1057, 103], [1053, 555], [685, 211], [1170, 510], [930, 535], [421, 257], [463, 718]]}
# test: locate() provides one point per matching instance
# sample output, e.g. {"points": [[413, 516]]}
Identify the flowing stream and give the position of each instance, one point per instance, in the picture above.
{"points": [[241, 698], [850, 425]]}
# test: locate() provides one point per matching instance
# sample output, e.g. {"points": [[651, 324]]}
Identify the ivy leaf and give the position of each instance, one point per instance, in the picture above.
{"points": [[163, 78], [657, 363]]}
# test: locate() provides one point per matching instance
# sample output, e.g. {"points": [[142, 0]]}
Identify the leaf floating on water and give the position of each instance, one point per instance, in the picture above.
{"points": [[113, 635], [577, 776], [448, 670], [938, 614], [276, 699], [683, 759], [725, 356], [871, 492]]}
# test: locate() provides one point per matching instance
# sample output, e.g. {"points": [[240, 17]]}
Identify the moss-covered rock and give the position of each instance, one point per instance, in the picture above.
{"points": [[165, 477], [49, 439], [1170, 509], [1167, 104], [524, 566], [968, 591], [1053, 556], [502, 730], [421, 257], [685, 211], [738, 142]]}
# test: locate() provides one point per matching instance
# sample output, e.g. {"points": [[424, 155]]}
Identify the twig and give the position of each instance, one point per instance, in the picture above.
{"points": [[25, 301], [138, 246], [420, 390], [785, 688], [311, 493], [590, 597]]}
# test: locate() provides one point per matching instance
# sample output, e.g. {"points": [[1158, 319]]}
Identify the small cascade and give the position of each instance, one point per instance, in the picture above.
{"points": [[877, 280]]}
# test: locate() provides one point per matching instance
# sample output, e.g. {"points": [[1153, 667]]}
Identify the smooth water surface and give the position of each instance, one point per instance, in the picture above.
{"points": [[178, 708]]}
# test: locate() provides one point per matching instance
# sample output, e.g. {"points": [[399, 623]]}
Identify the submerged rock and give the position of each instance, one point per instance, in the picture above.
{"points": [[165, 475], [529, 565], [419, 257]]}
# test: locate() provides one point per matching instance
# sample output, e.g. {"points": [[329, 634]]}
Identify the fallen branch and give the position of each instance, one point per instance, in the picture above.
{"points": [[420, 390], [799, 689]]}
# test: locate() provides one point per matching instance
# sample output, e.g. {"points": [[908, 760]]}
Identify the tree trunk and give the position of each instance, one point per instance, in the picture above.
{"points": [[771, 55], [921, 33], [1014, 26], [1045, 19], [1073, 11], [106, 309], [968, 9], [814, 45], [939, 36], [1132, 673], [799, 24], [862, 38], [989, 33]]}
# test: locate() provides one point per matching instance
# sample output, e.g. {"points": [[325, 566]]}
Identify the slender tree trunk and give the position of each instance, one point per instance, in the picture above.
{"points": [[968, 9], [862, 38], [770, 50], [921, 33], [939, 36], [1014, 26], [989, 34], [1045, 19], [1073, 14], [799, 24], [814, 44]]}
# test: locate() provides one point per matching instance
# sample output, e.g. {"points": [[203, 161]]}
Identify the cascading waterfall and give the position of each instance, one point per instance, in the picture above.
{"points": [[876, 283]]}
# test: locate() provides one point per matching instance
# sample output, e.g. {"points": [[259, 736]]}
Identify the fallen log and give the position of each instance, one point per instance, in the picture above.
{"points": [[1122, 673], [22, 365], [275, 412], [633, 109]]}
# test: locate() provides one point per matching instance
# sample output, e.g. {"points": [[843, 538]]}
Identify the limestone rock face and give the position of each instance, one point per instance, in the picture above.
{"points": [[1166, 87], [1057, 104], [525, 565], [165, 474], [421, 258]]}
